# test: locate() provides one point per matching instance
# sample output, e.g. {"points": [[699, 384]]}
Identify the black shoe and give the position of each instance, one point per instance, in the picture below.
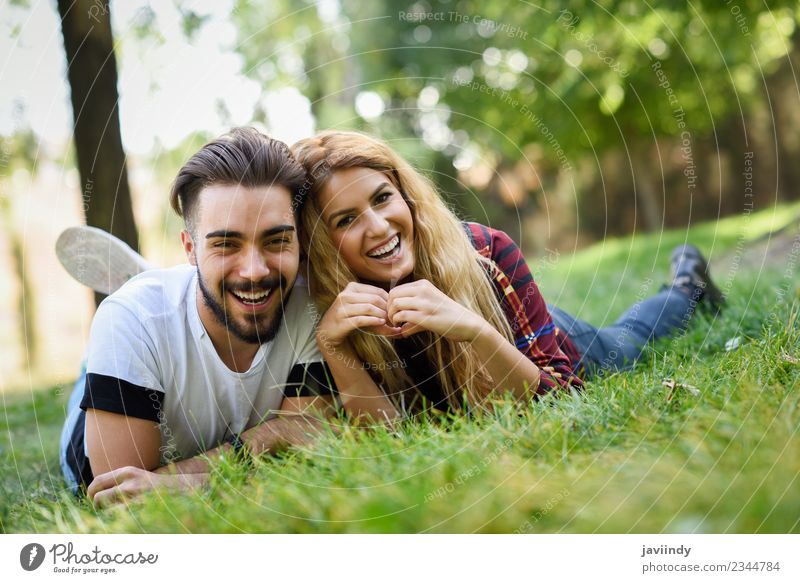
{"points": [[690, 271]]}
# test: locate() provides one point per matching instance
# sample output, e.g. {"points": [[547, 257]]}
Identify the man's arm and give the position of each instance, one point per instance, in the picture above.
{"points": [[307, 402], [124, 461], [299, 421], [114, 441], [122, 451]]}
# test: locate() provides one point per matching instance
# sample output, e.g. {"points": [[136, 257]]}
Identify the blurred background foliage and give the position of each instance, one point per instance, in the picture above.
{"points": [[563, 123], [587, 103], [583, 105]]}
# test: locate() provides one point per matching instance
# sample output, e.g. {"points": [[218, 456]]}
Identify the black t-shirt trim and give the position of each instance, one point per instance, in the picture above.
{"points": [[119, 396], [310, 379], [76, 457]]}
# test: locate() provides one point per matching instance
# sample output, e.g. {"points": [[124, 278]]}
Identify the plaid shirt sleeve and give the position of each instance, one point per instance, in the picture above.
{"points": [[535, 334]]}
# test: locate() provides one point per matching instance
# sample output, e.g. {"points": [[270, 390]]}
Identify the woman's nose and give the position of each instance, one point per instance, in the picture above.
{"points": [[376, 224]]}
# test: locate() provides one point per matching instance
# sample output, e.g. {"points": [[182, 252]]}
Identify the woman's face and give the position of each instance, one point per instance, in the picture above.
{"points": [[370, 224]]}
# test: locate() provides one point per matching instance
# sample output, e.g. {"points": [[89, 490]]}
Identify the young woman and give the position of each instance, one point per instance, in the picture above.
{"points": [[419, 309]]}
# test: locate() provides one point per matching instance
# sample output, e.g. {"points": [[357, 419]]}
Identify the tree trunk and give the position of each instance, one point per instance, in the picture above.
{"points": [[92, 73], [26, 299], [645, 189], [783, 98]]}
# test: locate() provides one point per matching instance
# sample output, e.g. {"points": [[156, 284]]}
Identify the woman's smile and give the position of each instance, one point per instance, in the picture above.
{"points": [[387, 252]]}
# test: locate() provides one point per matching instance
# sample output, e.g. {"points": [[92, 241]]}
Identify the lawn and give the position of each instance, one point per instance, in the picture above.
{"points": [[718, 450]]}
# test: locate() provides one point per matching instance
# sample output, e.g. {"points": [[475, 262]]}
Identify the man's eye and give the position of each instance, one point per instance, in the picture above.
{"points": [[345, 221], [223, 245], [281, 241]]}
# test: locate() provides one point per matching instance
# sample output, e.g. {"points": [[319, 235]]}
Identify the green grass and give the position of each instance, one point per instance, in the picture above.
{"points": [[624, 456]]}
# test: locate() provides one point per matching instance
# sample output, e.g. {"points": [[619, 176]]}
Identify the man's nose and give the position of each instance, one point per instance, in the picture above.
{"points": [[253, 265]]}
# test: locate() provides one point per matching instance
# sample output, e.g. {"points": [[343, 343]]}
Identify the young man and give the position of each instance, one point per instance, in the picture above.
{"points": [[218, 355]]}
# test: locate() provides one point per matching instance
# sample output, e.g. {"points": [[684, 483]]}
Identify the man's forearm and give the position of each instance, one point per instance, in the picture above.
{"points": [[271, 436], [282, 432]]}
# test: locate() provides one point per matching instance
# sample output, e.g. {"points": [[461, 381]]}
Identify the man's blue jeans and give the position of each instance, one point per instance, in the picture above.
{"points": [[619, 346], [67, 438]]}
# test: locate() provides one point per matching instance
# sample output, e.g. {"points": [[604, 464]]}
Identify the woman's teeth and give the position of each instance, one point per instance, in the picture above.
{"points": [[252, 298], [386, 250]]}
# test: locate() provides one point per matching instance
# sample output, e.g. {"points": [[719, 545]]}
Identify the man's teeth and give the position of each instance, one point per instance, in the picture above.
{"points": [[253, 298], [386, 248]]}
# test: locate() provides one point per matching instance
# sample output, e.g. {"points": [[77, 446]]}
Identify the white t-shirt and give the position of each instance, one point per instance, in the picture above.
{"points": [[149, 334]]}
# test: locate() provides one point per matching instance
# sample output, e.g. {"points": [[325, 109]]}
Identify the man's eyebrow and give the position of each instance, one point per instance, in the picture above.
{"points": [[224, 234], [276, 230], [237, 235], [347, 211]]}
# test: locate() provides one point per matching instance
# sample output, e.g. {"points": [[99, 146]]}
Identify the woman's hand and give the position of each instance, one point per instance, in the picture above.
{"points": [[420, 305], [358, 306]]}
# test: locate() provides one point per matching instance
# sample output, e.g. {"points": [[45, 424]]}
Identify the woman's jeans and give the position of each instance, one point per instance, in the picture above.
{"points": [[619, 346]]}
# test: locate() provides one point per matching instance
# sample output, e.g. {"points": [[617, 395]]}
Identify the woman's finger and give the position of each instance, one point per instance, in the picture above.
{"points": [[358, 322], [415, 288], [409, 329], [362, 298], [364, 288], [386, 330], [406, 303], [351, 310], [403, 317]]}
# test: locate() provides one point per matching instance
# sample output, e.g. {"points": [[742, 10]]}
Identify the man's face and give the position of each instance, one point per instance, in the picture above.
{"points": [[244, 244]]}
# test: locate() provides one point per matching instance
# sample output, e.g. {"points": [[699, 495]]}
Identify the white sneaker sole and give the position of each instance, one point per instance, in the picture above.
{"points": [[98, 259]]}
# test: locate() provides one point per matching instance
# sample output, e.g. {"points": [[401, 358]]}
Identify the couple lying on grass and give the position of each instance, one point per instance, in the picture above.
{"points": [[412, 309]]}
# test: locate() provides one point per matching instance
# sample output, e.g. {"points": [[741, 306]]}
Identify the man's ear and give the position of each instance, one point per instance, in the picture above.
{"points": [[188, 247]]}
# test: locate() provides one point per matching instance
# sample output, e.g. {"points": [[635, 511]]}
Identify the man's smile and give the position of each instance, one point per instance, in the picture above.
{"points": [[252, 299]]}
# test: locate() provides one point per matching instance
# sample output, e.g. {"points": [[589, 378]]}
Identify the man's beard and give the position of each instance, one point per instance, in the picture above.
{"points": [[260, 332]]}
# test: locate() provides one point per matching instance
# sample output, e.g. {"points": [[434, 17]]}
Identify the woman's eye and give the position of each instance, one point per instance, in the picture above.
{"points": [[383, 197], [345, 221]]}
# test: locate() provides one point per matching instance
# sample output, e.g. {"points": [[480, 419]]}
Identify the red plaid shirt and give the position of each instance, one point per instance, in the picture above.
{"points": [[535, 334]]}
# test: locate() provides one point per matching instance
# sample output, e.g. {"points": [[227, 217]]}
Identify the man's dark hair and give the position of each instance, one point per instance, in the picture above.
{"points": [[245, 157]]}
